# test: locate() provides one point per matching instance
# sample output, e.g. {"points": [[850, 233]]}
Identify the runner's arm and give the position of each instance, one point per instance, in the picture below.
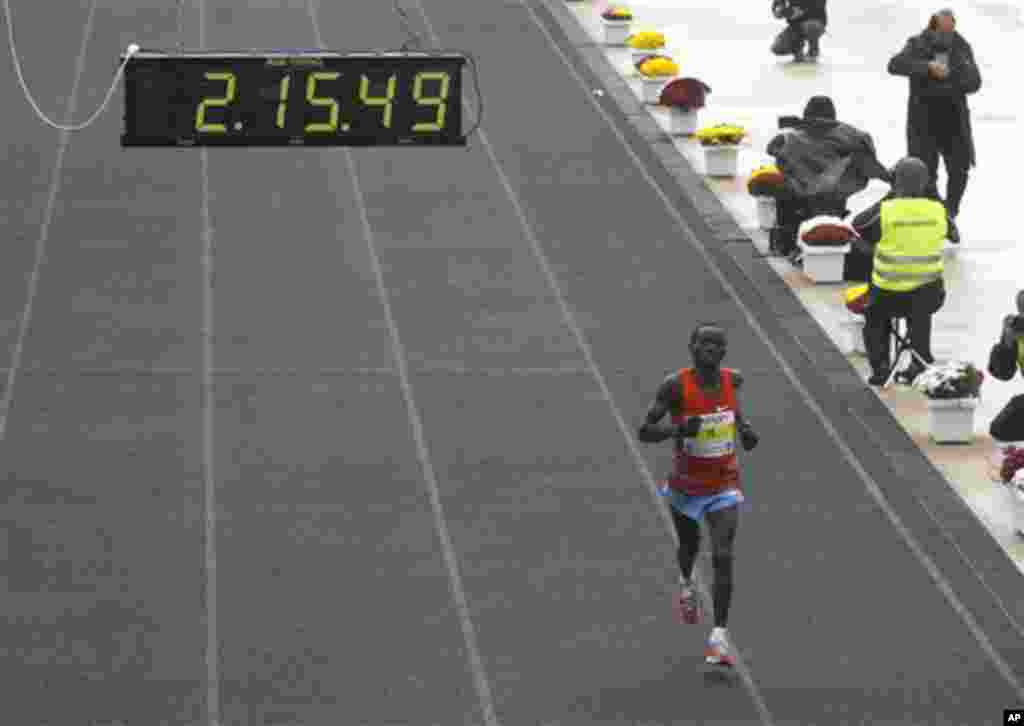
{"points": [[748, 437], [652, 431]]}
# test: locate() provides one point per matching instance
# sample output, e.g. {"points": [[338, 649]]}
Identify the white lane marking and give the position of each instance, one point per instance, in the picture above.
{"points": [[570, 321], [941, 583], [476, 663], [44, 230], [209, 403]]}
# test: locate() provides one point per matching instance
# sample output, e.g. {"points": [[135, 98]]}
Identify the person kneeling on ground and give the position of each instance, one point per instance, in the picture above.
{"points": [[806, 20], [1006, 358], [905, 235], [823, 162]]}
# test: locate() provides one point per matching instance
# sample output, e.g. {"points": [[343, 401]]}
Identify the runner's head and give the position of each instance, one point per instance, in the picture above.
{"points": [[708, 345]]}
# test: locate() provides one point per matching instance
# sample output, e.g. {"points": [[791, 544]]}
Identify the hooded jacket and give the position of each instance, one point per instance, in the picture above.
{"points": [[826, 159]]}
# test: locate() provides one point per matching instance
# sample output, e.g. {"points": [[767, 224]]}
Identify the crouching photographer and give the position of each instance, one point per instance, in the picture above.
{"points": [[1006, 358]]}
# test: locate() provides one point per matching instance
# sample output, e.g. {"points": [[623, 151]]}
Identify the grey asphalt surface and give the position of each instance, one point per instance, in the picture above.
{"points": [[334, 601]]}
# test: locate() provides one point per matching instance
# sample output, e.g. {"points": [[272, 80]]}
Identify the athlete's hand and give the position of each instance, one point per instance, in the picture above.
{"points": [[748, 438], [690, 429]]}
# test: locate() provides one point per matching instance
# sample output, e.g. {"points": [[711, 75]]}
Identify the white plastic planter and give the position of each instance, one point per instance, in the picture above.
{"points": [[638, 54], [616, 31], [1017, 496], [824, 264], [651, 88], [853, 334], [766, 210], [721, 159], [681, 121], [952, 420]]}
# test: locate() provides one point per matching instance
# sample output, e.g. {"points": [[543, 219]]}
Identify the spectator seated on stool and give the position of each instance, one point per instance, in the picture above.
{"points": [[904, 234], [824, 162], [1006, 358]]}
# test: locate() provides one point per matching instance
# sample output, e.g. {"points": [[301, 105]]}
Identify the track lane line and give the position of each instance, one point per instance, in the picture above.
{"points": [[44, 230], [872, 487], [469, 634], [570, 321], [212, 654]]}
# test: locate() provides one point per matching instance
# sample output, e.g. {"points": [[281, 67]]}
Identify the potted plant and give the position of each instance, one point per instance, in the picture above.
{"points": [[1012, 475], [952, 390], [644, 44], [617, 20], [765, 185], [721, 144], [825, 241], [684, 98], [656, 70], [855, 297]]}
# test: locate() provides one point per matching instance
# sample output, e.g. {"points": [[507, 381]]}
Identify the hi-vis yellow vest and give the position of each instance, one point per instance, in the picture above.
{"points": [[1020, 352], [909, 254]]}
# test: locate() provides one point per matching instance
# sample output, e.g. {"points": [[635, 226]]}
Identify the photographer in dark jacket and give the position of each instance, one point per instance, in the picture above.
{"points": [[1006, 358], [940, 65], [824, 162], [806, 20]]}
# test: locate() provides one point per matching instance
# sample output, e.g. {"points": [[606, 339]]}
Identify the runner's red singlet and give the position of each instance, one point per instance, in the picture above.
{"points": [[707, 463]]}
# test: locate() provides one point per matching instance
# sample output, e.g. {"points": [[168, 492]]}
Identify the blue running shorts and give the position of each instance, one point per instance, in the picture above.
{"points": [[695, 507]]}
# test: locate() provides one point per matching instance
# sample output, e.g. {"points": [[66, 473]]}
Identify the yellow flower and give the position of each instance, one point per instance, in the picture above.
{"points": [[646, 40], [770, 169], [721, 134], [659, 66]]}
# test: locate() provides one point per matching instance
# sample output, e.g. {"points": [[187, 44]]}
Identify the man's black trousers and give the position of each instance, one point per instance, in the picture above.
{"points": [[1008, 425], [942, 140], [917, 306]]}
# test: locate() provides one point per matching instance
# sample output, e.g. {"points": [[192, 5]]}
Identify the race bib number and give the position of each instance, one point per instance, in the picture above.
{"points": [[716, 437]]}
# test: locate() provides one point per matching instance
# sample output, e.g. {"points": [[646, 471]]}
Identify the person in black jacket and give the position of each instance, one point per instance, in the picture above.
{"points": [[940, 65], [807, 20], [1006, 358], [824, 161]]}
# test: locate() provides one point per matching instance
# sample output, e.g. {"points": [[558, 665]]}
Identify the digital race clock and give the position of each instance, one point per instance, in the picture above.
{"points": [[293, 97]]}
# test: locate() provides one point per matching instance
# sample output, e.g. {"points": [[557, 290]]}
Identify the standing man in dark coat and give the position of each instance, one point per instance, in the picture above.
{"points": [[806, 20], [940, 65]]}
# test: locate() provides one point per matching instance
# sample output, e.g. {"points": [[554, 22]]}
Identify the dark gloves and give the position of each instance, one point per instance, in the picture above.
{"points": [[690, 428], [748, 438]]}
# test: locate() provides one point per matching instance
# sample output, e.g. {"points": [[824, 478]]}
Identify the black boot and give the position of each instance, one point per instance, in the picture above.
{"points": [[814, 49]]}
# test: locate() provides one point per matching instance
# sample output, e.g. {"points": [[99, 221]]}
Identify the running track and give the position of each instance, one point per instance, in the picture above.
{"points": [[424, 369]]}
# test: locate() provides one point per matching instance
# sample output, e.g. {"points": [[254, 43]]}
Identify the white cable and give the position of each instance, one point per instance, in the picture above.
{"points": [[132, 49]]}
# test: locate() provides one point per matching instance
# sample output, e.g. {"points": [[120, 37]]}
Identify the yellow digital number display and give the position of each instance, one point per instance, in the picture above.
{"points": [[385, 100], [282, 100], [322, 102], [216, 102], [440, 100], [293, 97]]}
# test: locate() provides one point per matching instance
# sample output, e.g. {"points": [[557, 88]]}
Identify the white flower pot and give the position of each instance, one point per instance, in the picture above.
{"points": [[952, 420], [616, 31], [823, 264], [651, 88], [721, 159], [1017, 495], [853, 334], [638, 54], [766, 211], [682, 122]]}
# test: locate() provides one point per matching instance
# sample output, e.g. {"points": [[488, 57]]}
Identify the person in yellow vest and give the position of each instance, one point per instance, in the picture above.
{"points": [[1006, 358], [905, 234]]}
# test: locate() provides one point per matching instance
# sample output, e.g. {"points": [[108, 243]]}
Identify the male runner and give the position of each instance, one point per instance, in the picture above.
{"points": [[706, 417]]}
